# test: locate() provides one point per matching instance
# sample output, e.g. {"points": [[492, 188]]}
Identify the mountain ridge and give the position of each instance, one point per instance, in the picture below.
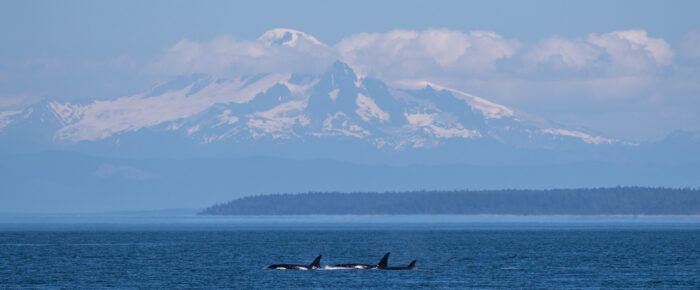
{"points": [[292, 107]]}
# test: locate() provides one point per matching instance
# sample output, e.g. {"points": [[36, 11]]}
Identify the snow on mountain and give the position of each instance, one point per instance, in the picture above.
{"points": [[103, 119], [367, 109], [334, 105], [583, 136], [6, 118], [488, 109], [304, 107]]}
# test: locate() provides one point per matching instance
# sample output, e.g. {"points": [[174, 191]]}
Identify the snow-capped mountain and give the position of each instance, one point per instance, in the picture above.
{"points": [[336, 113], [292, 108], [294, 132]]}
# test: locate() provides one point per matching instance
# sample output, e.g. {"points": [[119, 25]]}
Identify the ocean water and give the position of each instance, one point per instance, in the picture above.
{"points": [[457, 253]]}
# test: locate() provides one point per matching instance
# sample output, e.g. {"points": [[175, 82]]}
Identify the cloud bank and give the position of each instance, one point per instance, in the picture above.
{"points": [[408, 54], [276, 51]]}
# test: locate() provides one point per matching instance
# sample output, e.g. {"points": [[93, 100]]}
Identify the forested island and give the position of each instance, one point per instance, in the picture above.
{"points": [[585, 201]]}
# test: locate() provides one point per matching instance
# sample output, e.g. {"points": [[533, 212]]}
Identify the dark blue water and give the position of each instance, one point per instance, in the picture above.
{"points": [[501, 256]]}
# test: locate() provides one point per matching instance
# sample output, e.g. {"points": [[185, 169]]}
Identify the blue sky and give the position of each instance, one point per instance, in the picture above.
{"points": [[640, 89]]}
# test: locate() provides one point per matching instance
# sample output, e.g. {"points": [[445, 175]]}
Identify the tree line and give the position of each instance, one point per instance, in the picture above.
{"points": [[583, 201]]}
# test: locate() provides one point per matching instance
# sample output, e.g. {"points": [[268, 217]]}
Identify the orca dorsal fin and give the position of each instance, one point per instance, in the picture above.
{"points": [[316, 263], [412, 265], [384, 261]]}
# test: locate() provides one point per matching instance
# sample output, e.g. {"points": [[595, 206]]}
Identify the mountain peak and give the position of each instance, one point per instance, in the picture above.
{"points": [[288, 37], [341, 71]]}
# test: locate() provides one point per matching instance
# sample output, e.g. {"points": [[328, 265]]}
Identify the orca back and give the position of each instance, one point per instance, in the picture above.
{"points": [[316, 264], [286, 266], [383, 263]]}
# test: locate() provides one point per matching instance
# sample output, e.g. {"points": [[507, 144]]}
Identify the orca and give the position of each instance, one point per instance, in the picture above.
{"points": [[382, 264], [316, 264], [411, 266]]}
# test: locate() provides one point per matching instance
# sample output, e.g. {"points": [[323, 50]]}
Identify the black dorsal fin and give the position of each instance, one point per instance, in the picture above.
{"points": [[316, 263], [412, 264], [384, 261]]}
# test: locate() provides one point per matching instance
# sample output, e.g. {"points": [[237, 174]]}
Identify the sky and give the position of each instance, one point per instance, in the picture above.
{"points": [[628, 69]]}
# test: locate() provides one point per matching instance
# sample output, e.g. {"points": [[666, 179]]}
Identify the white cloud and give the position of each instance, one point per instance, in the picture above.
{"points": [[429, 54], [627, 52], [590, 71], [407, 53], [555, 51], [276, 51], [289, 37], [633, 49]]}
